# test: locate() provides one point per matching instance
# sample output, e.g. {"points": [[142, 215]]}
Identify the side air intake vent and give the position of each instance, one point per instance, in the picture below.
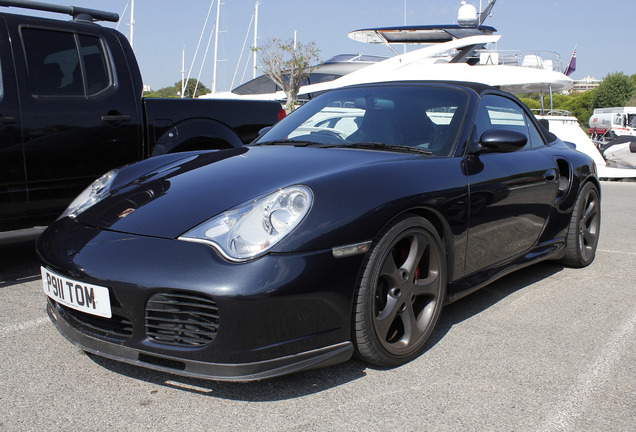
{"points": [[565, 177]]}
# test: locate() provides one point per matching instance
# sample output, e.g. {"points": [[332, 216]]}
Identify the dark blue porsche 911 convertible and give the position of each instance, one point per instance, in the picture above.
{"points": [[343, 230]]}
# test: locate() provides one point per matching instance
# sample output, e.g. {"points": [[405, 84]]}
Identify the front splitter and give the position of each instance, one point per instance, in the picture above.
{"points": [[317, 358]]}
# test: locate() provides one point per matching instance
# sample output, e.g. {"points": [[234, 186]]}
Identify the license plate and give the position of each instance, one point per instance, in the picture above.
{"points": [[87, 298]]}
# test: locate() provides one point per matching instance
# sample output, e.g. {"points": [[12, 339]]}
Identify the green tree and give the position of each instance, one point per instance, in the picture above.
{"points": [[632, 100], [530, 102], [615, 90], [288, 64], [581, 105], [193, 88], [175, 90], [165, 92]]}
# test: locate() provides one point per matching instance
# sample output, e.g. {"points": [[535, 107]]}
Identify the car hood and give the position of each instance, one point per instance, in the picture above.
{"points": [[178, 196]]}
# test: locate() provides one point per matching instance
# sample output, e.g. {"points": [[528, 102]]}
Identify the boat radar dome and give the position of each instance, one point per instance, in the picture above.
{"points": [[467, 15]]}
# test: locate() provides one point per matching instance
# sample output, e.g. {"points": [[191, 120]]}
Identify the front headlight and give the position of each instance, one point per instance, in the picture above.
{"points": [[97, 191], [253, 229]]}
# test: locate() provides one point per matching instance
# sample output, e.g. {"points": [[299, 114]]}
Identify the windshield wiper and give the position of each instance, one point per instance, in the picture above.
{"points": [[361, 145], [382, 146], [296, 143]]}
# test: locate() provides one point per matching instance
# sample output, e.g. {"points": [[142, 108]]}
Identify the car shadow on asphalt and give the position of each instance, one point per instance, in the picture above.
{"points": [[274, 389], [19, 263], [490, 295], [314, 381]]}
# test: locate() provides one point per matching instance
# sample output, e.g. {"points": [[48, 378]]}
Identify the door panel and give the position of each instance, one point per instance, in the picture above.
{"points": [[13, 194], [511, 194], [508, 210], [72, 94]]}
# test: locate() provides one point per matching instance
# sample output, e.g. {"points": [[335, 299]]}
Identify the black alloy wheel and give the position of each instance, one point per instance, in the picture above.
{"points": [[401, 293], [585, 226]]}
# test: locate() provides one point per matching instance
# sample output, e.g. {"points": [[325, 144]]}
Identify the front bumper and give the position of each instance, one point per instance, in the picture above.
{"points": [[276, 315], [317, 358]]}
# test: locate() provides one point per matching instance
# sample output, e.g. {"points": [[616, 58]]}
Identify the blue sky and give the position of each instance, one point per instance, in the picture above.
{"points": [[603, 31]]}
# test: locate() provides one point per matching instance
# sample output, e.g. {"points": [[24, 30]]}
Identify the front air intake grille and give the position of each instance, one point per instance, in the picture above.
{"points": [[116, 328], [181, 319]]}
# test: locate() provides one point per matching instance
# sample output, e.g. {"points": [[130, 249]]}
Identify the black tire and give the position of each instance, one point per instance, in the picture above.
{"points": [[400, 294], [585, 226]]}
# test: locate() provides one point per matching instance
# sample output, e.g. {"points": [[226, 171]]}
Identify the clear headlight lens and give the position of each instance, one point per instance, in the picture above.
{"points": [[97, 191], [253, 229]]}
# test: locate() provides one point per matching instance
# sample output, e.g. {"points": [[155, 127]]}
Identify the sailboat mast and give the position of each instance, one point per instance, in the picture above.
{"points": [[183, 83], [216, 44], [132, 21], [255, 46]]}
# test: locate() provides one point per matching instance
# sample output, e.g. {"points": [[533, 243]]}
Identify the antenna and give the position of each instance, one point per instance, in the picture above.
{"points": [[467, 15], [486, 12]]}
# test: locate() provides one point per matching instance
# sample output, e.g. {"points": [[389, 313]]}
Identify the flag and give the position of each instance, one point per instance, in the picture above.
{"points": [[572, 65]]}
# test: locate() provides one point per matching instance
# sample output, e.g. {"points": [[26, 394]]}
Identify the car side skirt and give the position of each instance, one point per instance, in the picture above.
{"points": [[469, 284]]}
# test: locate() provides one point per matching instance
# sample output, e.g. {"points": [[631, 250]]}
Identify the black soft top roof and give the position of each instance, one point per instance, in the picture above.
{"points": [[477, 87]]}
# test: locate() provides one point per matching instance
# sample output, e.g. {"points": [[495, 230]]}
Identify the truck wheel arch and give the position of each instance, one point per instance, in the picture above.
{"points": [[195, 134]]}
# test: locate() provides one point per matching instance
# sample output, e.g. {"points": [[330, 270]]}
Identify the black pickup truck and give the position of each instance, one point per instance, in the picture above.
{"points": [[71, 108]]}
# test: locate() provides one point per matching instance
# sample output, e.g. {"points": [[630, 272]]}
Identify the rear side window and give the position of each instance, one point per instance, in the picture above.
{"points": [[534, 135], [65, 64]]}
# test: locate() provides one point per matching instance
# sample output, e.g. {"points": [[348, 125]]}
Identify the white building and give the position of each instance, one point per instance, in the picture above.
{"points": [[586, 84]]}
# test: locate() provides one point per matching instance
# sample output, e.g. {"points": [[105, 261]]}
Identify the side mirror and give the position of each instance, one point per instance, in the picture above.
{"points": [[501, 141]]}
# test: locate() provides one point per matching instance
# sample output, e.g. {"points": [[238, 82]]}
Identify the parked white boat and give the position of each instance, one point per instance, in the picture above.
{"points": [[460, 59], [621, 152], [568, 129], [460, 53]]}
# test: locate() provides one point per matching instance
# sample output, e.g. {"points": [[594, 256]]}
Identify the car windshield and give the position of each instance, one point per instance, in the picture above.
{"points": [[424, 119]]}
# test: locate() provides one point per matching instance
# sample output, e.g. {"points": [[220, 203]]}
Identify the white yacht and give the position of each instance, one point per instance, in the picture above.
{"points": [[460, 53]]}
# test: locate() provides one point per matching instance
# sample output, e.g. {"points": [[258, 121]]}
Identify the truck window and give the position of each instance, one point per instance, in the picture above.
{"points": [[95, 65], [619, 120], [54, 65]]}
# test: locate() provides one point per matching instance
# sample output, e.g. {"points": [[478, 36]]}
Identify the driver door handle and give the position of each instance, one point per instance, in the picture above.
{"points": [[115, 118], [7, 120]]}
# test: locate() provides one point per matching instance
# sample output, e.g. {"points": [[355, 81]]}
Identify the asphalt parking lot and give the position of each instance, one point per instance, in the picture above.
{"points": [[545, 349]]}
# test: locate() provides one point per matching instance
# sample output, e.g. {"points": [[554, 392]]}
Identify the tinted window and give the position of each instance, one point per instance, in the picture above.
{"points": [[55, 69], [95, 66]]}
